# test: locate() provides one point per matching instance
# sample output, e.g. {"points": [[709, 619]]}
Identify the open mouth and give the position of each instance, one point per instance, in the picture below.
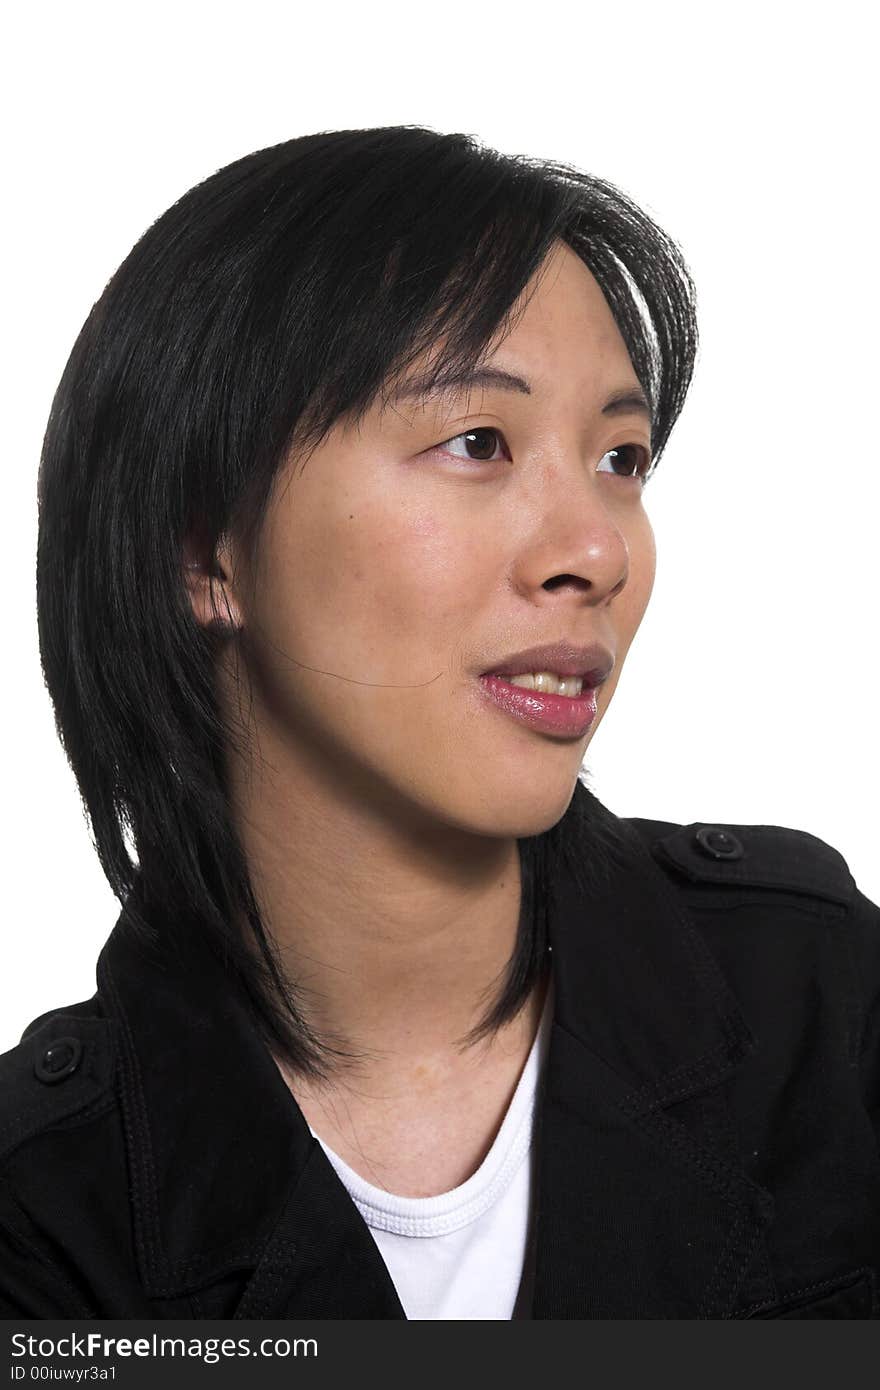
{"points": [[555, 711], [545, 682]]}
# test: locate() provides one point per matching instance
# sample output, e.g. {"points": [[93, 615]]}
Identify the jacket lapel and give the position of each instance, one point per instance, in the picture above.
{"points": [[226, 1178], [643, 1209]]}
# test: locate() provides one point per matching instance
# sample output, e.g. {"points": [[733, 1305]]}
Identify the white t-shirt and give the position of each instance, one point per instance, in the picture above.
{"points": [[462, 1253]]}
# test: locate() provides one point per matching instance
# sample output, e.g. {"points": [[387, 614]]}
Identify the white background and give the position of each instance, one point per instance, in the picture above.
{"points": [[748, 131]]}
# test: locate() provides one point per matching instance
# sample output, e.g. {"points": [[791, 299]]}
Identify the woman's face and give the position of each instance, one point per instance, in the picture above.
{"points": [[408, 557]]}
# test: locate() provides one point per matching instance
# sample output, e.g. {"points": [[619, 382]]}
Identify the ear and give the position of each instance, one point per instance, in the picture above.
{"points": [[210, 582]]}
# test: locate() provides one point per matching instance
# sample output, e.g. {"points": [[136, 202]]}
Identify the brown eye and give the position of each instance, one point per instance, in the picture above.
{"points": [[633, 460], [480, 444]]}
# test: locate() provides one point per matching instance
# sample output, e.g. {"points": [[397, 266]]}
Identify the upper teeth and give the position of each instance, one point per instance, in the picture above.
{"points": [[549, 682]]}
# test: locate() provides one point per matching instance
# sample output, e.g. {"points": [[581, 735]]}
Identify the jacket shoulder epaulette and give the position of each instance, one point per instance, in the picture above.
{"points": [[63, 1066], [749, 856]]}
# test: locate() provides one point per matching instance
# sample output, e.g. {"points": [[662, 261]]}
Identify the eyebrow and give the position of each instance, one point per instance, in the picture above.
{"points": [[628, 400]]}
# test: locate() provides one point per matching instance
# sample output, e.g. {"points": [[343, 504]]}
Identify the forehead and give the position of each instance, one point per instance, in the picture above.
{"points": [[562, 336], [563, 311]]}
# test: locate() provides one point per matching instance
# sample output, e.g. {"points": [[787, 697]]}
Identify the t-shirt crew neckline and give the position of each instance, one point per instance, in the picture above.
{"points": [[459, 1206]]}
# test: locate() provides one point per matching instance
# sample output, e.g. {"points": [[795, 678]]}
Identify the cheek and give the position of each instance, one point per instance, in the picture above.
{"points": [[418, 578], [642, 568], [371, 583]]}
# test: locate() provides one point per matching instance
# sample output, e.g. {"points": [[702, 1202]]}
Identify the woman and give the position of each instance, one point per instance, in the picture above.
{"points": [[342, 548]]}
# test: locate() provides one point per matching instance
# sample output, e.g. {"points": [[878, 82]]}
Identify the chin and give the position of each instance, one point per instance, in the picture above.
{"points": [[515, 812]]}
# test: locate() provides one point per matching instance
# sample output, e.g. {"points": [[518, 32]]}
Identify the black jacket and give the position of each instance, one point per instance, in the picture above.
{"points": [[707, 1143]]}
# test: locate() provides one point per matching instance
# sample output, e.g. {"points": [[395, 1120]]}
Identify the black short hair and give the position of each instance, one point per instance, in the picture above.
{"points": [[274, 298]]}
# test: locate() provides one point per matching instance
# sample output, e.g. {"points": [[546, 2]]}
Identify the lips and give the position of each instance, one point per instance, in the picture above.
{"points": [[593, 663]]}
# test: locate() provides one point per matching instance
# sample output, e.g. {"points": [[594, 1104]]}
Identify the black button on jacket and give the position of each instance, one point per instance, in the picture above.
{"points": [[707, 1127]]}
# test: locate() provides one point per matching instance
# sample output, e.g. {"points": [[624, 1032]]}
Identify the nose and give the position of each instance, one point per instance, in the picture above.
{"points": [[579, 546]]}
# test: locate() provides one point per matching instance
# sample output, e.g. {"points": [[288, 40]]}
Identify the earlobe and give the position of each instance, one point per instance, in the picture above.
{"points": [[210, 587]]}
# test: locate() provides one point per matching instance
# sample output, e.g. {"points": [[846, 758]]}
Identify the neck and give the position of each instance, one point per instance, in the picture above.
{"points": [[395, 930]]}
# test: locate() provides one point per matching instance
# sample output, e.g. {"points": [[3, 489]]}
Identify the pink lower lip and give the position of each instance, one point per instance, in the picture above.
{"points": [[554, 714]]}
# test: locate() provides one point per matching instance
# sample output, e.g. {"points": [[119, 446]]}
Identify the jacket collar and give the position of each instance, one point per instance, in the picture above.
{"points": [[643, 1208], [636, 985], [226, 1177]]}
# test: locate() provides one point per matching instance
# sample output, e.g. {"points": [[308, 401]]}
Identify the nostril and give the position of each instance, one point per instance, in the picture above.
{"points": [[562, 579]]}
